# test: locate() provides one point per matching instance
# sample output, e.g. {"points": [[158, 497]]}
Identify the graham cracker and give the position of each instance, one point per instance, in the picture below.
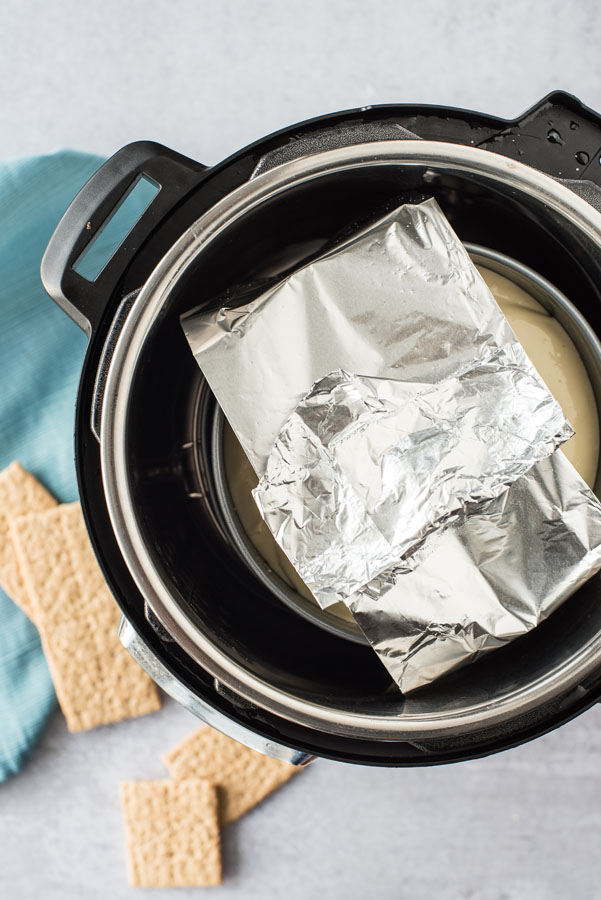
{"points": [[243, 776], [20, 493], [96, 680], [172, 833]]}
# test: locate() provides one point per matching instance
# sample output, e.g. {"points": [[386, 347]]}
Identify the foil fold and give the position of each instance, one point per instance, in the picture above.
{"points": [[405, 445], [365, 468], [400, 299], [486, 578]]}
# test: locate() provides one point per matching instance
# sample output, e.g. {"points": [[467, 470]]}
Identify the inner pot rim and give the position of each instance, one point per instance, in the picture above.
{"points": [[145, 311]]}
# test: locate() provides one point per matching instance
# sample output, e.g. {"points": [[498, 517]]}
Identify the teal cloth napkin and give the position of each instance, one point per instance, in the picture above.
{"points": [[41, 354]]}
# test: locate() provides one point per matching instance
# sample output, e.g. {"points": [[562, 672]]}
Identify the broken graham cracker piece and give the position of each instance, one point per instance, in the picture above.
{"points": [[20, 493], [95, 679], [172, 833], [243, 776]]}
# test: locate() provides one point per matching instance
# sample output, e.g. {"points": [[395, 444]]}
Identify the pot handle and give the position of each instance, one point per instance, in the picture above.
{"points": [[144, 656], [161, 179]]}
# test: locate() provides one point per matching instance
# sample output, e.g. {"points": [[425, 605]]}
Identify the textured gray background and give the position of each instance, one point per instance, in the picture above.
{"points": [[206, 78]]}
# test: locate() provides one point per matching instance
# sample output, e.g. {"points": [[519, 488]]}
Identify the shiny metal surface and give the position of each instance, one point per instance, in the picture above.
{"points": [[442, 408], [486, 578], [553, 300], [470, 712], [368, 469], [536, 286], [253, 559], [141, 652], [365, 469]]}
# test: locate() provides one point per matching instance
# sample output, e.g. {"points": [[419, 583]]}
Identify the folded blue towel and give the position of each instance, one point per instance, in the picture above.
{"points": [[41, 354]]}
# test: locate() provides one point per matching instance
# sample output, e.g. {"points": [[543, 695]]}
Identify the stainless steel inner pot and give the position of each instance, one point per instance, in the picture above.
{"points": [[556, 303], [457, 706]]}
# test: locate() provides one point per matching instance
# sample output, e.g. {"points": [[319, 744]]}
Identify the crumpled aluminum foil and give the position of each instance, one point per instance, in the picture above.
{"points": [[365, 468], [485, 579], [400, 299], [388, 487]]}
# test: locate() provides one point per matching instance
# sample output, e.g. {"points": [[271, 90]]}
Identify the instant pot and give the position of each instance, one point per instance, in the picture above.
{"points": [[197, 615]]}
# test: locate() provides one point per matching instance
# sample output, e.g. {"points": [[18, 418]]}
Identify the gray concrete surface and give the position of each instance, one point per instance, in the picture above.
{"points": [[207, 77]]}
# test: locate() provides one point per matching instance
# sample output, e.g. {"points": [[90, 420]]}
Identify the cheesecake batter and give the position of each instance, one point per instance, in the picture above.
{"points": [[558, 362], [553, 354]]}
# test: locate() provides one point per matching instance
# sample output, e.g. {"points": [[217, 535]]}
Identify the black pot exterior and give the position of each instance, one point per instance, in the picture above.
{"points": [[526, 139]]}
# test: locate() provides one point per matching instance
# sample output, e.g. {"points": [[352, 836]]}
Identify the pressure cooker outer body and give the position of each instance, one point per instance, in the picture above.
{"points": [[525, 139]]}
